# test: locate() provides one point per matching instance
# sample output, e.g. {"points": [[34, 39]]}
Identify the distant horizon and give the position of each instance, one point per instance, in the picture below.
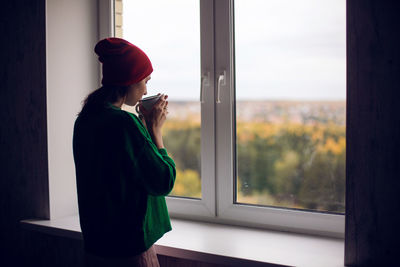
{"points": [[170, 99]]}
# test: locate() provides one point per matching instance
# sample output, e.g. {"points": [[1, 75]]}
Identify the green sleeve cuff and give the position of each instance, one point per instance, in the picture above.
{"points": [[163, 151]]}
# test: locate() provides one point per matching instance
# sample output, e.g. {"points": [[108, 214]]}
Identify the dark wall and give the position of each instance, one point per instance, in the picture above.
{"points": [[373, 133], [23, 140]]}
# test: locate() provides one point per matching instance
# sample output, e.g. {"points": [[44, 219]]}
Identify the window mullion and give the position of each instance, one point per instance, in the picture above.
{"points": [[224, 108]]}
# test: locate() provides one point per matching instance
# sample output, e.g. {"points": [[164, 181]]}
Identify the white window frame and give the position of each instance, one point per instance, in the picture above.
{"points": [[218, 135], [106, 18], [319, 223]]}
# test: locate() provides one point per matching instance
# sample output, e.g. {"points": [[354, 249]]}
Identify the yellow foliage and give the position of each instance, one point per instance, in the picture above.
{"points": [[187, 184], [266, 199], [176, 124], [246, 131], [332, 146], [317, 135]]}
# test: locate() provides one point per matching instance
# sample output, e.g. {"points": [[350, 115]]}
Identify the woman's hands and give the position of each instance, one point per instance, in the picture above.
{"points": [[155, 118]]}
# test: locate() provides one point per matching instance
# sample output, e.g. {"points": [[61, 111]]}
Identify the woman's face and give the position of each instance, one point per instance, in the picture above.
{"points": [[136, 91]]}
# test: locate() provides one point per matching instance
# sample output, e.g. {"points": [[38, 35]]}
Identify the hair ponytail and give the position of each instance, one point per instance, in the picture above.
{"points": [[96, 100]]}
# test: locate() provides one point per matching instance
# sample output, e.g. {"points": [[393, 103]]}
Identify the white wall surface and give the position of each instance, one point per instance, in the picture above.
{"points": [[72, 73]]}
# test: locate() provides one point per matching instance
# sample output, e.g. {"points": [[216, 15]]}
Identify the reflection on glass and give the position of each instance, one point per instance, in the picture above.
{"points": [[169, 33], [290, 103]]}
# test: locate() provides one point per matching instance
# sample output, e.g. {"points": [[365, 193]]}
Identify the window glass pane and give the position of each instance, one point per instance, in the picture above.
{"points": [[169, 33], [290, 60]]}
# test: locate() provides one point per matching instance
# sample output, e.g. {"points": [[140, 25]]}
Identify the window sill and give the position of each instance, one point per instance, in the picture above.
{"points": [[224, 244]]}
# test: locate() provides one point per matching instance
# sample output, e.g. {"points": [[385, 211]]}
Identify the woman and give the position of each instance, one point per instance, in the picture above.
{"points": [[123, 171]]}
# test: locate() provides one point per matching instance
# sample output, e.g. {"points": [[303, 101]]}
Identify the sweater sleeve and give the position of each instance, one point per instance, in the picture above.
{"points": [[153, 167]]}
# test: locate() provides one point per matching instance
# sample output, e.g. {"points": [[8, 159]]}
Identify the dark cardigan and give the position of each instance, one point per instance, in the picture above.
{"points": [[122, 180]]}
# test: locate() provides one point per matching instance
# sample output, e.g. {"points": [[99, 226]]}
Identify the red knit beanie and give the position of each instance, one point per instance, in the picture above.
{"points": [[123, 63]]}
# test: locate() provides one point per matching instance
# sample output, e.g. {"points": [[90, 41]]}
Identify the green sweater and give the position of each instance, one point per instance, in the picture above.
{"points": [[122, 180]]}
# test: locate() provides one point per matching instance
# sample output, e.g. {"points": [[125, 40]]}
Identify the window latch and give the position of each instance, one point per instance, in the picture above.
{"points": [[221, 82], [205, 81]]}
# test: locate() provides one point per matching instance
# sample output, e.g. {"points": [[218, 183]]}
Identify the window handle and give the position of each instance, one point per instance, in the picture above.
{"points": [[205, 81], [221, 82]]}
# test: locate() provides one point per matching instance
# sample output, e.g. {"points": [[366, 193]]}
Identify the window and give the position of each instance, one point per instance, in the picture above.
{"points": [[290, 104], [257, 107], [175, 55]]}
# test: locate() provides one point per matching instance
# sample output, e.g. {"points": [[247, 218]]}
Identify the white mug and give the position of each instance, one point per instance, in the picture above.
{"points": [[148, 103]]}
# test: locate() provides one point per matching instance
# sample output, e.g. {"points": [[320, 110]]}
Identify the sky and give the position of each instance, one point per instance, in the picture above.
{"points": [[284, 49]]}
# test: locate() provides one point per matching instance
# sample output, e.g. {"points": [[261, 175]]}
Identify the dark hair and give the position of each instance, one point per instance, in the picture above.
{"points": [[98, 98]]}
